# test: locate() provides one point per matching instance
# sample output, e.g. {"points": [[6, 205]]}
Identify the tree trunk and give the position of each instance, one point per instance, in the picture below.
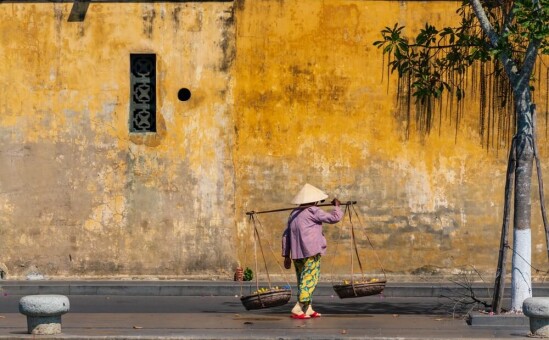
{"points": [[499, 285], [521, 277]]}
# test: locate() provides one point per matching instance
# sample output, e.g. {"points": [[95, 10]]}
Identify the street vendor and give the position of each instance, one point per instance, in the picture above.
{"points": [[303, 242]]}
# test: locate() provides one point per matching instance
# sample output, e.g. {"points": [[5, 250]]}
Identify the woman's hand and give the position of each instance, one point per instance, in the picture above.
{"points": [[287, 262], [336, 202]]}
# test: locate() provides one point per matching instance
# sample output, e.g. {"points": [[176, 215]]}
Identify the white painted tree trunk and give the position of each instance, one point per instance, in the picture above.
{"points": [[519, 77], [521, 275], [521, 282]]}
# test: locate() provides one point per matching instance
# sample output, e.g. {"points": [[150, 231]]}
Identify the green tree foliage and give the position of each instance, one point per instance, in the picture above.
{"points": [[437, 61]]}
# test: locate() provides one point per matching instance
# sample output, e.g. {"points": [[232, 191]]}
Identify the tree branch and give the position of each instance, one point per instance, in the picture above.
{"points": [[508, 20], [508, 63], [529, 60], [485, 22]]}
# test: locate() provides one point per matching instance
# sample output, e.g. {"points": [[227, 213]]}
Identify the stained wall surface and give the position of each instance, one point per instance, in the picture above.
{"points": [[314, 104], [283, 92], [80, 195]]}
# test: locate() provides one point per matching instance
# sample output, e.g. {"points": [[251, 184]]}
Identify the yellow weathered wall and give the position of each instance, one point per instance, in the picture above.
{"points": [[80, 196], [313, 105], [283, 92]]}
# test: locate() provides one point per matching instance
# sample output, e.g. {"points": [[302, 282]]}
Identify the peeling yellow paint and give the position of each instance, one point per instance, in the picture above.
{"points": [[315, 105], [117, 201], [283, 93]]}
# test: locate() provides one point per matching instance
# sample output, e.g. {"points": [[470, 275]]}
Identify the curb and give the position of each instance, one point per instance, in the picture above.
{"points": [[476, 319], [231, 288]]}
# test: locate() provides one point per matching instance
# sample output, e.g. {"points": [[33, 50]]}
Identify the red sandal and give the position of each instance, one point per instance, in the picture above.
{"points": [[300, 316], [315, 315]]}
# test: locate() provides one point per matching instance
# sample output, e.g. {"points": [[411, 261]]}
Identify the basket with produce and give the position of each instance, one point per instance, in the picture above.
{"points": [[266, 298], [364, 287], [271, 296], [359, 288]]}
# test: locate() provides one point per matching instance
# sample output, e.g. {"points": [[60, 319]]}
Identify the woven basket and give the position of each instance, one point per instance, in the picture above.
{"points": [[360, 289], [269, 299]]}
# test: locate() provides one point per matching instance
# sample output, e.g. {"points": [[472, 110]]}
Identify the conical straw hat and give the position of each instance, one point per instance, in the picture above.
{"points": [[309, 194]]}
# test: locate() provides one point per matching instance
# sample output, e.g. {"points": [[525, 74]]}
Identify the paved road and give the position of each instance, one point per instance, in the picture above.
{"points": [[232, 304], [223, 317], [258, 326]]}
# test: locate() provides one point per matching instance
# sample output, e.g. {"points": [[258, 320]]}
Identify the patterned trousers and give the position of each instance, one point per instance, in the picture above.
{"points": [[307, 271]]}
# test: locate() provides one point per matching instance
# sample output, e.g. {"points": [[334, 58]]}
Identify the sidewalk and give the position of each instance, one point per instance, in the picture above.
{"points": [[254, 325], [212, 310]]}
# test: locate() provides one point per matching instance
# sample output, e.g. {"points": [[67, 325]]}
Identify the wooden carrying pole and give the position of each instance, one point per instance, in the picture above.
{"points": [[286, 209]]}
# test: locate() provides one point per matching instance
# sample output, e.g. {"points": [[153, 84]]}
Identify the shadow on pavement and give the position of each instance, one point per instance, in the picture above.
{"points": [[429, 306]]}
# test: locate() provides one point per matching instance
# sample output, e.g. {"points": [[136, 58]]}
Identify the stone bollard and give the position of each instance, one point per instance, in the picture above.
{"points": [[44, 312], [537, 309]]}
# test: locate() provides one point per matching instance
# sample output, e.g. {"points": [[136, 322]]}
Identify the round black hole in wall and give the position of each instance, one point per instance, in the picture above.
{"points": [[184, 94]]}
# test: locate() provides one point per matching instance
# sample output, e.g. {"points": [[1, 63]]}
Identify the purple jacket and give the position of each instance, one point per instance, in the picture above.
{"points": [[303, 236]]}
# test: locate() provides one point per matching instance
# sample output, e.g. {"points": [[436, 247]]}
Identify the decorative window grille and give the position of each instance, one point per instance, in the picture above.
{"points": [[143, 93]]}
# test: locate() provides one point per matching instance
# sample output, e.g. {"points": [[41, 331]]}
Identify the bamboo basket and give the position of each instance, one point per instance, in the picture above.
{"points": [[352, 290], [269, 299]]}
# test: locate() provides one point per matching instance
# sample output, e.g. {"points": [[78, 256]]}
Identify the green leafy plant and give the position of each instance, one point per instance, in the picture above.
{"points": [[248, 274]]}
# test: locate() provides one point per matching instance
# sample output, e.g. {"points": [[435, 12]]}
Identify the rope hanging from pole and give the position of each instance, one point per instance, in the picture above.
{"points": [[349, 210], [371, 245]]}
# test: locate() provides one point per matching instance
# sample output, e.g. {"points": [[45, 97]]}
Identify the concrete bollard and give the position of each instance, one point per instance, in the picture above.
{"points": [[44, 312], [537, 309]]}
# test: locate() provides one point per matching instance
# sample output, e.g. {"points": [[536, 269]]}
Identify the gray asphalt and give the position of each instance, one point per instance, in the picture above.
{"points": [[214, 311]]}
